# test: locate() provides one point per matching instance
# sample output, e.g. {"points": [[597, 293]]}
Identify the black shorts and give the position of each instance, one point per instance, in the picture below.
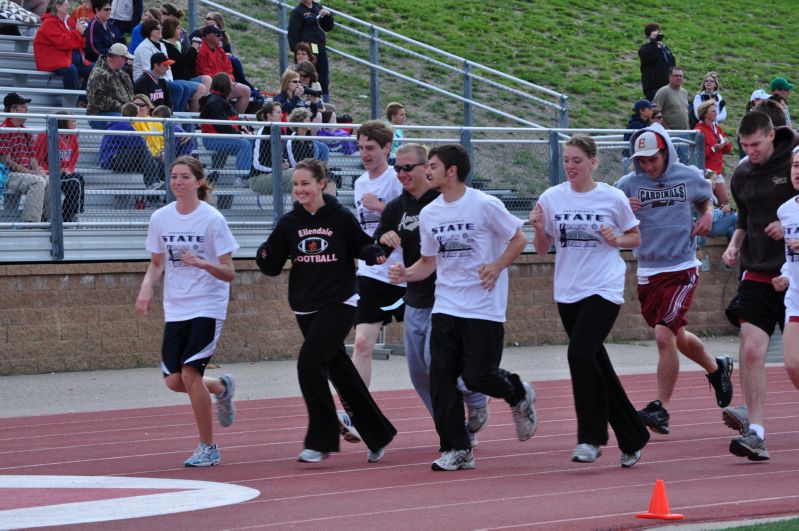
{"points": [[759, 304], [189, 342], [374, 297]]}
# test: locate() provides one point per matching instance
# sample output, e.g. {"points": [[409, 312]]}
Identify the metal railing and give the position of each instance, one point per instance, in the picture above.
{"points": [[497, 86], [515, 164]]}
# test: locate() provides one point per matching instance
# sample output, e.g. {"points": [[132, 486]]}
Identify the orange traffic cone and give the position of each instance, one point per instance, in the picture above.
{"points": [[659, 505]]}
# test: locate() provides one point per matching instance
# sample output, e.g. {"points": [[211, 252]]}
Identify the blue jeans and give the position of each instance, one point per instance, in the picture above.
{"points": [[95, 124], [723, 225], [241, 147], [417, 327], [73, 72]]}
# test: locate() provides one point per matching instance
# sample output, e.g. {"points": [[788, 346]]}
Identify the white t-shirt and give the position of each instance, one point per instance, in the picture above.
{"points": [[190, 292], [463, 236], [385, 187], [585, 264], [788, 214]]}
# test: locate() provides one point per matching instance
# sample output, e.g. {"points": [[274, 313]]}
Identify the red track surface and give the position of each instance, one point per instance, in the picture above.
{"points": [[522, 485]]}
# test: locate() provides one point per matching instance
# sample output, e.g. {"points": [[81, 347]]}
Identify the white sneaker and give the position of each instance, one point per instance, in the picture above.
{"points": [[348, 431], [586, 453], [524, 414], [477, 418], [311, 456], [454, 460], [374, 457]]}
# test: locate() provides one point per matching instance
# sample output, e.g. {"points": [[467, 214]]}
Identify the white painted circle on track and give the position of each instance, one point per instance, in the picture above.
{"points": [[188, 495]]}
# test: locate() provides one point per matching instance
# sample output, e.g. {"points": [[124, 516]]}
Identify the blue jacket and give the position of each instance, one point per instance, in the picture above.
{"points": [[112, 145]]}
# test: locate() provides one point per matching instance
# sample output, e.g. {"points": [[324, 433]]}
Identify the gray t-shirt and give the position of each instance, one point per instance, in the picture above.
{"points": [[674, 105]]}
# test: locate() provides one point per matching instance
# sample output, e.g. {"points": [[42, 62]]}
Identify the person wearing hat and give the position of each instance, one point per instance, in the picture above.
{"points": [[109, 86], [756, 97], [782, 87], [663, 193], [212, 59], [641, 117], [25, 176], [152, 82]]}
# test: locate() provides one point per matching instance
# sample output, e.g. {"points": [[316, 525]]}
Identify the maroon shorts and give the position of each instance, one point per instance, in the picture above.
{"points": [[667, 297]]}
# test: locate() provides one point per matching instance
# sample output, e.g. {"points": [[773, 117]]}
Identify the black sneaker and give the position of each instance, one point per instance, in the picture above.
{"points": [[721, 380], [655, 417]]}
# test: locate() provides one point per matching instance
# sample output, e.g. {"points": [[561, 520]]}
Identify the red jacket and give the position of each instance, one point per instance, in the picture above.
{"points": [[713, 158], [54, 42], [211, 62], [68, 151]]}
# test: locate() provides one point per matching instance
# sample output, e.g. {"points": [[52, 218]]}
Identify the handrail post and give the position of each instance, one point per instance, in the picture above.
{"points": [[468, 118], [554, 157], [169, 157], [282, 39], [277, 172], [699, 150], [563, 118], [374, 75], [192, 15], [54, 177]]}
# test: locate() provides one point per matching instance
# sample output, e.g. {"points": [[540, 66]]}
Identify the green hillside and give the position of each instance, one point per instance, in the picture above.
{"points": [[585, 48]]}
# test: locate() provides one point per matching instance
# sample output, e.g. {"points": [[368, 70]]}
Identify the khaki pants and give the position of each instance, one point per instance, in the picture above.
{"points": [[34, 187]]}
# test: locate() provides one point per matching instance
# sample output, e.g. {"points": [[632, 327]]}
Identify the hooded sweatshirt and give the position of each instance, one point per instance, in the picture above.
{"points": [[666, 207], [322, 248], [759, 190]]}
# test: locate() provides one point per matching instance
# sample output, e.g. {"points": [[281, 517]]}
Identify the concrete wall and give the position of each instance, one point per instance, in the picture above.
{"points": [[67, 317]]}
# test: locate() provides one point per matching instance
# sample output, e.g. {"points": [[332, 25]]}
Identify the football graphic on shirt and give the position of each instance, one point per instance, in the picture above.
{"points": [[313, 245]]}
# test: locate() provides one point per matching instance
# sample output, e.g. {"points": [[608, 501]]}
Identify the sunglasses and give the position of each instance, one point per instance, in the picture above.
{"points": [[407, 167], [140, 105]]}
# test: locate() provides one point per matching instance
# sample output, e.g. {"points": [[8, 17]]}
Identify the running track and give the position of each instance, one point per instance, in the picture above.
{"points": [[515, 485]]}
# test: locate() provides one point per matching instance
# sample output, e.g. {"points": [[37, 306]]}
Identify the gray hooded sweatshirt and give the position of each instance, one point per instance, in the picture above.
{"points": [[666, 213]]}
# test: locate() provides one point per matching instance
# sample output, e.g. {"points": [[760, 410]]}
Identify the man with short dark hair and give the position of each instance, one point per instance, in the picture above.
{"points": [[663, 194], [152, 82], [25, 176], [656, 60], [759, 185], [469, 239], [673, 101]]}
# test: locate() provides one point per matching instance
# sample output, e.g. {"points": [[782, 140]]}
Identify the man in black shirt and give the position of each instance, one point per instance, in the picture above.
{"points": [[152, 83]]}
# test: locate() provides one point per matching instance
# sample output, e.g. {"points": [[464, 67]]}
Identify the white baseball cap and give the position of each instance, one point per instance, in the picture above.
{"points": [[648, 144], [119, 49]]}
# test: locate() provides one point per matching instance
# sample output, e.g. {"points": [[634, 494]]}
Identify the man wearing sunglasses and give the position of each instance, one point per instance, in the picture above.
{"points": [[399, 227]]}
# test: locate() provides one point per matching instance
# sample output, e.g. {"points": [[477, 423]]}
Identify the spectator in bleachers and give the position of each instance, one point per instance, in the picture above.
{"points": [[212, 59], [184, 57], [710, 91], [83, 11], [643, 110], [58, 46], [72, 183], [261, 179], [129, 153], [101, 33], [215, 19], [152, 82], [215, 106], [109, 86], [182, 91], [395, 117], [782, 87], [169, 10], [312, 90], [25, 175], [136, 37], [308, 22], [291, 92], [347, 147], [298, 149], [125, 14], [184, 145], [302, 52], [155, 144]]}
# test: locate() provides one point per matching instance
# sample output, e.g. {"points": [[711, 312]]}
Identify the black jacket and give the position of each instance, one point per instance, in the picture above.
{"points": [[304, 26], [214, 106], [655, 64], [759, 190], [184, 62], [402, 216], [322, 248], [155, 89]]}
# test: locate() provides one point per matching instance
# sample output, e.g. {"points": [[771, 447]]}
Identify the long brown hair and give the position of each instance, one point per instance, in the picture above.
{"points": [[196, 169]]}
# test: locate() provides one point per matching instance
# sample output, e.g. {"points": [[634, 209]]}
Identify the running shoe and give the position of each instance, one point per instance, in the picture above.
{"points": [[204, 455], [454, 460], [374, 457], [721, 380], [312, 456], [586, 453], [348, 431], [655, 417], [477, 418], [736, 418], [750, 446], [524, 414], [225, 409], [628, 460]]}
